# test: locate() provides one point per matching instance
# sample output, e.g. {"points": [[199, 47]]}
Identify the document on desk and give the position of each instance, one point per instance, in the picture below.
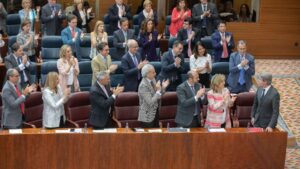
{"points": [[216, 130], [15, 131], [63, 131], [155, 130], [109, 130]]}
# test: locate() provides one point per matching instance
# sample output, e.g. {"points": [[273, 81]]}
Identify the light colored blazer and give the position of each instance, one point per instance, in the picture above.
{"points": [[149, 101], [98, 65], [64, 75], [12, 114], [53, 107]]}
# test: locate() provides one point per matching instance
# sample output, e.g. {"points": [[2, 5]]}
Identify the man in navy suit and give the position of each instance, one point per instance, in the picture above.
{"points": [[102, 100], [172, 65], [187, 36], [241, 69], [131, 65], [222, 43], [72, 36], [115, 13]]}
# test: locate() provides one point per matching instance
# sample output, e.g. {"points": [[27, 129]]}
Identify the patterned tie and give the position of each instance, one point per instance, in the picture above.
{"points": [[21, 73], [225, 51], [153, 85], [189, 44], [242, 74], [204, 23], [196, 105], [22, 106], [73, 32]]}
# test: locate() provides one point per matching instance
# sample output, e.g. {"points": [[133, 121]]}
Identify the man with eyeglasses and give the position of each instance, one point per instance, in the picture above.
{"points": [[13, 101]]}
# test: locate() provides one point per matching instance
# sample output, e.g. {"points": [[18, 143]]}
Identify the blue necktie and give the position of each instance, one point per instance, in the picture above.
{"points": [[204, 23], [242, 76]]}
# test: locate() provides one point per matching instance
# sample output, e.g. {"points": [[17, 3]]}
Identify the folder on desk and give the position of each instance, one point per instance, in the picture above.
{"points": [[179, 129]]}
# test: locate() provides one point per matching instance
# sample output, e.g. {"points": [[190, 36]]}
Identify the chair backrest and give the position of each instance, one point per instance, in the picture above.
{"points": [[185, 71], [78, 108], [11, 41], [34, 109], [106, 18], [85, 48], [13, 23], [106, 24], [33, 74], [157, 66], [110, 40], [127, 109], [136, 25], [171, 42], [167, 26], [47, 67], [118, 76], [220, 68], [85, 75], [168, 109], [50, 47], [244, 103], [207, 43]]}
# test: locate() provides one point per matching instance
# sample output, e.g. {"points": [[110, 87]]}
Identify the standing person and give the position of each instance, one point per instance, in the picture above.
{"points": [[201, 62], [27, 13], [102, 62], [20, 62], [28, 40], [223, 43], [83, 16], [72, 36], [150, 93], [13, 100], [245, 14], [190, 99], [219, 102], [149, 41], [13, 6], [172, 65], [118, 11], [132, 64], [97, 36], [265, 110], [205, 17], [179, 13], [68, 69], [241, 69], [53, 102], [187, 36], [52, 17], [102, 101], [3, 15], [147, 13]]}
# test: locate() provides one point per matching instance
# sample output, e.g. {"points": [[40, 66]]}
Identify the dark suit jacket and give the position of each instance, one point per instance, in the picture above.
{"points": [[114, 17], [52, 26], [218, 48], [182, 36], [186, 103], [211, 21], [119, 39], [100, 106], [132, 75], [265, 111], [66, 36], [149, 47], [11, 62], [234, 72], [79, 20], [142, 18], [170, 71]]}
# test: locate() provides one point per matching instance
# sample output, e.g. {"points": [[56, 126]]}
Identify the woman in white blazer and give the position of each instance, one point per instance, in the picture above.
{"points": [[54, 99]]}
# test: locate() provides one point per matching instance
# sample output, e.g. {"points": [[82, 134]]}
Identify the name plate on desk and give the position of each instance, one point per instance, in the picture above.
{"points": [[112, 130], [179, 129], [217, 130], [155, 131], [15, 131]]}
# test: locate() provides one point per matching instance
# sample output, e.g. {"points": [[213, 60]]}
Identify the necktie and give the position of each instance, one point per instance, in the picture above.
{"points": [[73, 32], [189, 44], [22, 106], [242, 76], [196, 105], [105, 91], [135, 61], [262, 95], [21, 73], [225, 51], [153, 85]]}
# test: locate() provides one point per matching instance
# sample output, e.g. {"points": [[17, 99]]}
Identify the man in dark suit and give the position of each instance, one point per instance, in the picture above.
{"points": [[116, 13], [131, 65], [72, 36], [121, 38], [205, 17], [223, 43], [102, 100], [13, 101], [52, 16], [265, 109], [172, 65], [190, 97], [241, 69], [187, 36], [17, 60]]}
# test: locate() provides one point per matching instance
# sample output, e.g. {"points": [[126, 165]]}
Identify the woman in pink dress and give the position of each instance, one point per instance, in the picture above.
{"points": [[179, 13], [219, 102]]}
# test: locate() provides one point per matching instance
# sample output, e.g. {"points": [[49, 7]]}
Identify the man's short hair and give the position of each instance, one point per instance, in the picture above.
{"points": [[176, 43], [15, 47], [101, 46], [189, 20], [101, 75], [10, 73], [71, 17], [123, 19], [265, 76]]}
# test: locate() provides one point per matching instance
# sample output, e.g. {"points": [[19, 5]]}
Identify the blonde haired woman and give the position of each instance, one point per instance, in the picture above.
{"points": [[29, 14], [68, 69], [219, 102], [54, 99], [97, 36]]}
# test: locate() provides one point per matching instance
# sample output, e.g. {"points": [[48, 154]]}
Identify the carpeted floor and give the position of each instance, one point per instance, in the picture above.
{"points": [[286, 79]]}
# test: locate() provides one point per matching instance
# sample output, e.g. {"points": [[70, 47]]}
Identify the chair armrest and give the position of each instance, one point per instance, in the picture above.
{"points": [[28, 125], [70, 123]]}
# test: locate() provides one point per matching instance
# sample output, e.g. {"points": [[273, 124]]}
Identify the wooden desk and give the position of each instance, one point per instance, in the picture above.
{"points": [[235, 149]]}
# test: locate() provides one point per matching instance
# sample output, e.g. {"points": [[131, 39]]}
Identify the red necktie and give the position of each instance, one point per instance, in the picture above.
{"points": [[225, 51], [73, 32], [22, 106]]}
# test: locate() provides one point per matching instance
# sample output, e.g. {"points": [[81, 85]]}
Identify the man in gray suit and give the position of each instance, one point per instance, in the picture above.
{"points": [[205, 17], [121, 38], [150, 93], [265, 109], [190, 99], [241, 69], [13, 101], [52, 16]]}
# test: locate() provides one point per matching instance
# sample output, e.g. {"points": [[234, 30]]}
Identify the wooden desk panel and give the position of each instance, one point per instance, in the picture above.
{"points": [[195, 150]]}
